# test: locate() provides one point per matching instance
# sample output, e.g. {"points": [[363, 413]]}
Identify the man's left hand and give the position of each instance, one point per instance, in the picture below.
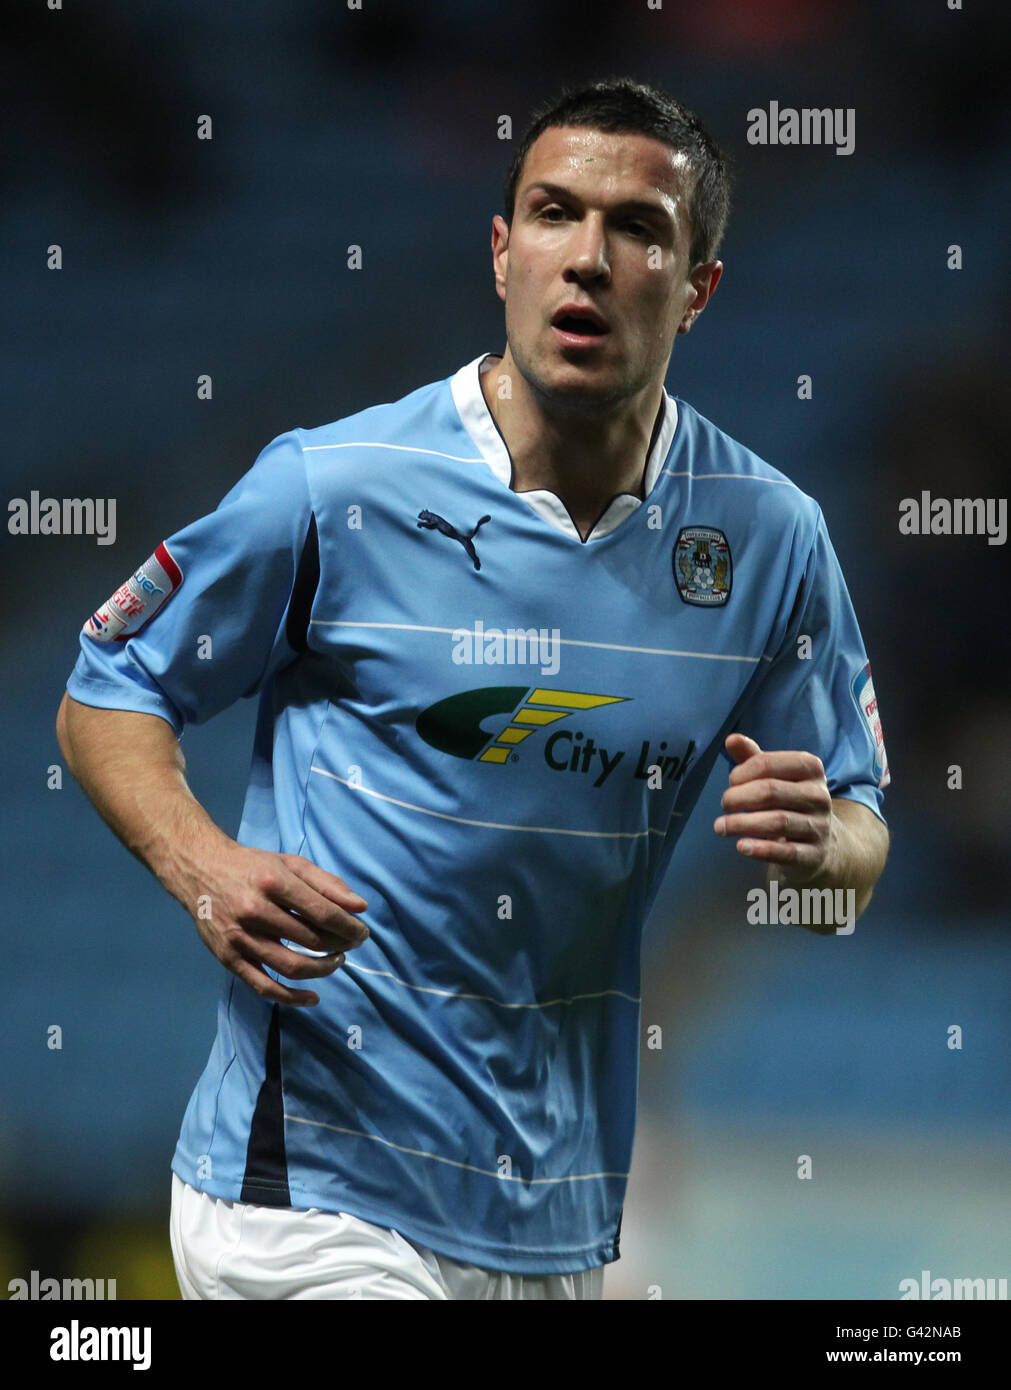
{"points": [[781, 807]]}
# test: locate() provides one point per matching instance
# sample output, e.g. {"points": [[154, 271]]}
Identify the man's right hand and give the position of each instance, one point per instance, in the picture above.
{"points": [[243, 901]]}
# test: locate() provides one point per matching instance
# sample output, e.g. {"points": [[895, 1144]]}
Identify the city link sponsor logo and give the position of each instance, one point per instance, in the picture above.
{"points": [[455, 726]]}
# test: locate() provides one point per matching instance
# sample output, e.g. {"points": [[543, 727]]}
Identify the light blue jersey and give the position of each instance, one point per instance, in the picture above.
{"points": [[495, 732]]}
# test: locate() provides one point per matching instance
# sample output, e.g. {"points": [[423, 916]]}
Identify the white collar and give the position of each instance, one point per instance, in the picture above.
{"points": [[480, 425]]}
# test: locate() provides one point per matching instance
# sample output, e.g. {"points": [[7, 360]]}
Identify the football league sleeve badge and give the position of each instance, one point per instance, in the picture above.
{"points": [[137, 599]]}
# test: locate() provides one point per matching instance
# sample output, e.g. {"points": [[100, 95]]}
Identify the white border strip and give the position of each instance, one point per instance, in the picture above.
{"points": [[563, 641], [491, 824], [470, 1167], [741, 477], [487, 998], [380, 444]]}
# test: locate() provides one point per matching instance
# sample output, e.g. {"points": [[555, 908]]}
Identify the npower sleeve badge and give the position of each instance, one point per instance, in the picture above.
{"points": [[703, 568], [137, 599], [862, 687]]}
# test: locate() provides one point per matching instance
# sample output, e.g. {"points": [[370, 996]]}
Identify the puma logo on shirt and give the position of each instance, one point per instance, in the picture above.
{"points": [[431, 522]]}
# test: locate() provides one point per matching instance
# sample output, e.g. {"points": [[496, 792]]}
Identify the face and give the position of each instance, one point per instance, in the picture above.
{"points": [[594, 268]]}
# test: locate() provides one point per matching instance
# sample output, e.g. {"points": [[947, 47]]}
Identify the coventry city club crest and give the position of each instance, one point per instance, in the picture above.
{"points": [[703, 569]]}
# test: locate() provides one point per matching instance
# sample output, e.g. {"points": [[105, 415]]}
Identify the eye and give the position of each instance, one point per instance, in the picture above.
{"points": [[553, 213], [637, 228]]}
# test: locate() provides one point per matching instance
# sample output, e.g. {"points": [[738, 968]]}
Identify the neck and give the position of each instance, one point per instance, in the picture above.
{"points": [[584, 460]]}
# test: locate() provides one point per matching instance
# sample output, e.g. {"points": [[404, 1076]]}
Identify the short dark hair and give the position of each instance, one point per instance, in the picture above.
{"points": [[622, 106]]}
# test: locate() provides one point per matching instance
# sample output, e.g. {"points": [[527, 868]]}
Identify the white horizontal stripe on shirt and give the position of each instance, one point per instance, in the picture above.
{"points": [[491, 824], [563, 641], [470, 1167]]}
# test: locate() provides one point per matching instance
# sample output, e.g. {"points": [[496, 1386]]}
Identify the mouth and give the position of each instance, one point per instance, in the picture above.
{"points": [[577, 326]]}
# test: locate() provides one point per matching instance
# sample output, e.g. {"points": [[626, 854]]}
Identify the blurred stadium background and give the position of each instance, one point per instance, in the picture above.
{"points": [[378, 127]]}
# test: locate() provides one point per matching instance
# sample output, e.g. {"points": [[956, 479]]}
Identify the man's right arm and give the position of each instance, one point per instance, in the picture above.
{"points": [[131, 767]]}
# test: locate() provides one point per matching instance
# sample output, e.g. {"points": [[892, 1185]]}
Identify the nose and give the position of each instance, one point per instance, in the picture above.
{"points": [[586, 252]]}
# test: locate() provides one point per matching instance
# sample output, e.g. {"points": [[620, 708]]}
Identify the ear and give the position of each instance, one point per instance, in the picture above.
{"points": [[705, 277], [500, 253]]}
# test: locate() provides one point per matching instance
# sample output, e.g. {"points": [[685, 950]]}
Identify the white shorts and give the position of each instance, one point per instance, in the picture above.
{"points": [[242, 1250]]}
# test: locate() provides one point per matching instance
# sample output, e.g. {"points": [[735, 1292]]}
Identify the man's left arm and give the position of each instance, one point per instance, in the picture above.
{"points": [[779, 806]]}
